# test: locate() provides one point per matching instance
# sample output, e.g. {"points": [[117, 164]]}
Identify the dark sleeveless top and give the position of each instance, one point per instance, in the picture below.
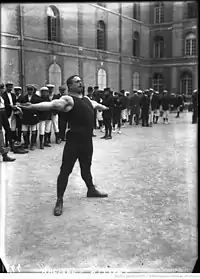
{"points": [[80, 119]]}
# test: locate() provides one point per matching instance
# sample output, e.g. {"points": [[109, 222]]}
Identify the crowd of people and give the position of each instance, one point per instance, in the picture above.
{"points": [[20, 129]]}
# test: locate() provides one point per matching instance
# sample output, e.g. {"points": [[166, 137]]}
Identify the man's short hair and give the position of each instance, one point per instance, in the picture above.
{"points": [[96, 87], [70, 79]]}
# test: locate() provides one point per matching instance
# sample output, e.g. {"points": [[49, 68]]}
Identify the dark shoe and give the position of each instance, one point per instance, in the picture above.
{"points": [[63, 139], [94, 135], [58, 207], [20, 151], [104, 137], [46, 144], [6, 158], [32, 147], [94, 193], [108, 137], [58, 140]]}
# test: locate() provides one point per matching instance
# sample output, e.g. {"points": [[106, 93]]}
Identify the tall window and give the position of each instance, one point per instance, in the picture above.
{"points": [[55, 76], [159, 47], [102, 79], [186, 84], [136, 11], [158, 82], [159, 13], [53, 22], [136, 81], [192, 9], [190, 45], [101, 35], [136, 44]]}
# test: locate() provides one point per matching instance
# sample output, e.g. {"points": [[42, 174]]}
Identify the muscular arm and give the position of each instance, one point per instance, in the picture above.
{"points": [[58, 104], [98, 106]]}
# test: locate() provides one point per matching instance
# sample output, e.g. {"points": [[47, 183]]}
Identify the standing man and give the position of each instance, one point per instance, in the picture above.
{"points": [[107, 114], [3, 150], [10, 101], [134, 107], [124, 108], [155, 103], [195, 106], [18, 94], [62, 119], [79, 143], [117, 108], [145, 102], [54, 116], [30, 119], [90, 95], [180, 104], [165, 101], [45, 119]]}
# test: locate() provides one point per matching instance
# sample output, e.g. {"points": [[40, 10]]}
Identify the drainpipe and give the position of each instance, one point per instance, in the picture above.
{"points": [[21, 31], [120, 47]]}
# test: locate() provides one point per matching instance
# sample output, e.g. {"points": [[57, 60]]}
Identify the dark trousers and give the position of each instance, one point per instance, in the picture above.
{"points": [[117, 118], [5, 124], [136, 118], [194, 115], [145, 117], [19, 128], [62, 125], [108, 126], [75, 149]]}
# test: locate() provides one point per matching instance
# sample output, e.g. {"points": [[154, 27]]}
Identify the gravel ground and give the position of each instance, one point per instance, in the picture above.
{"points": [[147, 223]]}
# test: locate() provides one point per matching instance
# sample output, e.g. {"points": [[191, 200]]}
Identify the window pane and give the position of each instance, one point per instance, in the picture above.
{"points": [[161, 49], [194, 47], [187, 47]]}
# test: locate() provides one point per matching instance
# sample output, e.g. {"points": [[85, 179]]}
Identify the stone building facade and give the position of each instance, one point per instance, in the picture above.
{"points": [[120, 45]]}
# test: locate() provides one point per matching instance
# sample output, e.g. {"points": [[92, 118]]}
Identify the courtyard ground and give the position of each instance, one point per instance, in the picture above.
{"points": [[147, 223]]}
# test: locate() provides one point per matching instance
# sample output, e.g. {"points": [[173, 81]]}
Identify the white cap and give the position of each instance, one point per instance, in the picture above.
{"points": [[195, 90], [18, 87], [44, 88], [151, 89], [139, 91], [50, 85]]}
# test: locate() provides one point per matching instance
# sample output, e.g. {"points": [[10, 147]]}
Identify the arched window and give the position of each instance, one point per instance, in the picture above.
{"points": [[53, 22], [159, 13], [136, 81], [158, 47], [186, 84], [55, 76], [158, 82], [136, 11], [190, 44], [192, 9], [136, 44], [101, 35], [102, 79]]}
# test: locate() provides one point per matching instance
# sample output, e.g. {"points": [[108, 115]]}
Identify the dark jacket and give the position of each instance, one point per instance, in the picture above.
{"points": [[125, 102], [108, 102], [155, 102], [44, 115], [134, 104], [8, 107], [165, 101], [145, 102], [195, 100], [117, 103], [30, 117]]}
